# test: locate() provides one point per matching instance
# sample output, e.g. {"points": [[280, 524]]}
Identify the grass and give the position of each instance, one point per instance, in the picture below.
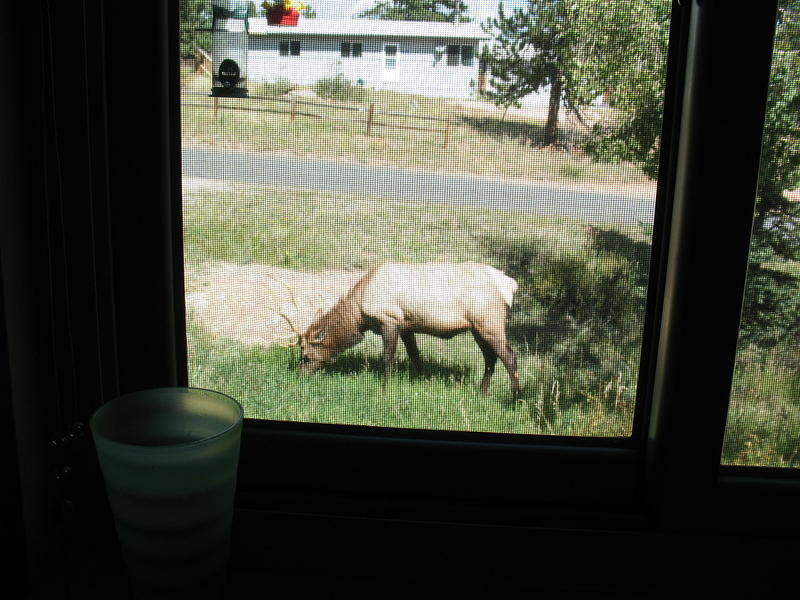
{"points": [[444, 396], [478, 142], [764, 412]]}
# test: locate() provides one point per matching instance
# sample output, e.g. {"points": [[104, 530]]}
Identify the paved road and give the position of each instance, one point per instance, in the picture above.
{"points": [[415, 185]]}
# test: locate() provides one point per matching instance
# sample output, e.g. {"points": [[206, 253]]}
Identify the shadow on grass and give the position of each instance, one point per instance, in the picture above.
{"points": [[352, 363], [520, 131], [523, 132], [635, 252]]}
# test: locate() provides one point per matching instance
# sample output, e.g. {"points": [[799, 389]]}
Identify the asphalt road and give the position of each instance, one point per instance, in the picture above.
{"points": [[416, 185]]}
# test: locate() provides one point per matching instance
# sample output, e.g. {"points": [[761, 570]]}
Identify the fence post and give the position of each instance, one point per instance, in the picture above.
{"points": [[216, 107], [369, 117]]}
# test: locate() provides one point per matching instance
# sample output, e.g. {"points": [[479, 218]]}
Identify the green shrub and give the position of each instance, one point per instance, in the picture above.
{"points": [[339, 88], [581, 301], [279, 87]]}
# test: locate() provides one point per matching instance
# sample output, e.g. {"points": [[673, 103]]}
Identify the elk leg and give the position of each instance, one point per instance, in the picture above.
{"points": [[389, 334], [411, 347], [501, 347], [489, 360]]}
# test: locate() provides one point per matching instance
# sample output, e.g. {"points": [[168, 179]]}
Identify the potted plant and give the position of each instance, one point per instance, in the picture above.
{"points": [[283, 12]]}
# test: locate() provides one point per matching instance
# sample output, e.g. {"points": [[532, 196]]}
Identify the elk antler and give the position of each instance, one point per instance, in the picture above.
{"points": [[281, 313]]}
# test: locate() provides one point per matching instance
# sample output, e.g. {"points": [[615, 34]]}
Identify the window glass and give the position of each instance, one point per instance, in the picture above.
{"points": [[500, 214], [391, 56], [356, 49], [466, 55], [345, 49], [763, 427], [452, 55]]}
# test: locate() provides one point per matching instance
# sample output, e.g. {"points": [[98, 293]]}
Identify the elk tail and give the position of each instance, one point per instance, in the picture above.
{"points": [[506, 285]]}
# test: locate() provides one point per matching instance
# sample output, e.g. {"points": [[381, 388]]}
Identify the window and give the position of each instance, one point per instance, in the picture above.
{"points": [[763, 425], [390, 52], [452, 55], [552, 238], [289, 48], [336, 469], [467, 55], [350, 49], [460, 55]]}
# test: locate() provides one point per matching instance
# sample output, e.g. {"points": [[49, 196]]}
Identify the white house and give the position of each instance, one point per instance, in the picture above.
{"points": [[426, 58]]}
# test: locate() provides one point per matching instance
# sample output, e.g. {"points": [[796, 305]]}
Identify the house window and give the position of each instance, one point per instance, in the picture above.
{"points": [[453, 52], [390, 50], [351, 49], [467, 55], [289, 48], [460, 55]]}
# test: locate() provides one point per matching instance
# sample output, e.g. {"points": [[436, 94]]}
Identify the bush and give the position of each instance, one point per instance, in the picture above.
{"points": [[581, 301], [339, 88], [279, 87]]}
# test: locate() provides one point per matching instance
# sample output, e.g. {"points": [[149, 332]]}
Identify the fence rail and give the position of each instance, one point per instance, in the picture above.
{"points": [[295, 109]]}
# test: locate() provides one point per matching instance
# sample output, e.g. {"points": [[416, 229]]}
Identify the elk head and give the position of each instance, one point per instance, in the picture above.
{"points": [[314, 353], [321, 342]]}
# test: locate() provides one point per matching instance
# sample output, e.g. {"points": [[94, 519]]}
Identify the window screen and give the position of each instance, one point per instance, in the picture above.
{"points": [[763, 427], [464, 249]]}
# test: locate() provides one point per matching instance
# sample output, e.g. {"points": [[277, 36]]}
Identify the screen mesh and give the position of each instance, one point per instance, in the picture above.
{"points": [[491, 211]]}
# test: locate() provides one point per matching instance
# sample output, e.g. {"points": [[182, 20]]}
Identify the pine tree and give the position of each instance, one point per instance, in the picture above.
{"points": [[453, 11]]}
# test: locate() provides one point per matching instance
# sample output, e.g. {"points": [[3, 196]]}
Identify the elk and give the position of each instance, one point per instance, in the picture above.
{"points": [[400, 300]]}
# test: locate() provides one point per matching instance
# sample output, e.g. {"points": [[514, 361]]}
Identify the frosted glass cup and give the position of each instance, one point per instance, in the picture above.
{"points": [[169, 458]]}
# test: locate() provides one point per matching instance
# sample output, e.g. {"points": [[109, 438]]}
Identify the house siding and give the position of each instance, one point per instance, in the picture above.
{"points": [[420, 70]]}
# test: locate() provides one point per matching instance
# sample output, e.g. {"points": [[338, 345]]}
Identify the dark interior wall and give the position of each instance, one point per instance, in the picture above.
{"points": [[29, 375]]}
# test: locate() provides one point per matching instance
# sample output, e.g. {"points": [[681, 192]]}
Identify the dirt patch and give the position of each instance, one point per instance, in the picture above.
{"points": [[255, 304]]}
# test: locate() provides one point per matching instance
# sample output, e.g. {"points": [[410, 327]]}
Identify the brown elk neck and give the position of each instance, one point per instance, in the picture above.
{"points": [[346, 319]]}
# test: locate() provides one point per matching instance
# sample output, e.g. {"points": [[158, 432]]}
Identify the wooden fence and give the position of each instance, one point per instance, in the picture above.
{"points": [[370, 117]]}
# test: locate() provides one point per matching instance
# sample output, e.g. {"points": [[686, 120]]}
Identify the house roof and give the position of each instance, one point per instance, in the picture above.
{"points": [[369, 28]]}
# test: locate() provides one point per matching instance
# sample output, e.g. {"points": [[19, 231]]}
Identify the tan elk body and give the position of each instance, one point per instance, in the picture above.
{"points": [[400, 300]]}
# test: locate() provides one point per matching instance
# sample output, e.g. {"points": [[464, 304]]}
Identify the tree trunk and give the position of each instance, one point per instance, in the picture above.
{"points": [[551, 128]]}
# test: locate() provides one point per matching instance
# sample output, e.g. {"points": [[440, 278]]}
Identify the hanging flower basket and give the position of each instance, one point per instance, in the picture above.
{"points": [[285, 12]]}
